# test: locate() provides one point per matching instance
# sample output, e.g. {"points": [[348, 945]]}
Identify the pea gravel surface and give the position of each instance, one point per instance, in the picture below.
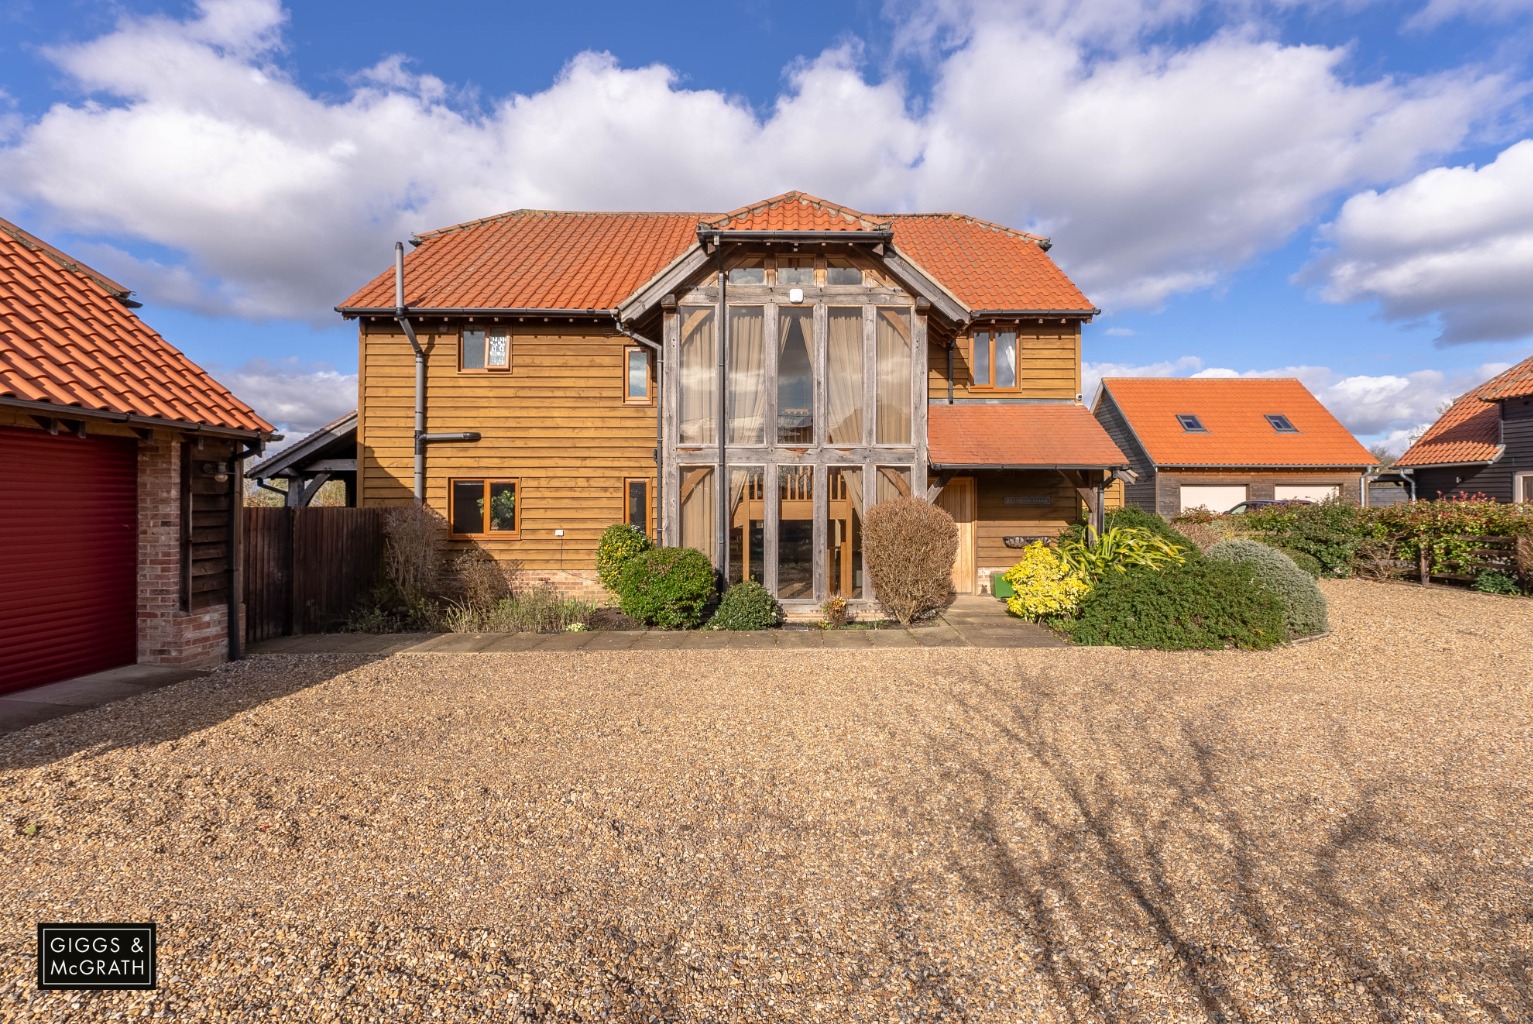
{"points": [[1336, 831]]}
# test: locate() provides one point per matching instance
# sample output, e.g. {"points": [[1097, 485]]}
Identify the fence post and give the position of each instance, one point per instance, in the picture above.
{"points": [[1421, 549]]}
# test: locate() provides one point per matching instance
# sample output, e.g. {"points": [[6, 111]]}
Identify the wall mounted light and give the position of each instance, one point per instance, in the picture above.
{"points": [[215, 470]]}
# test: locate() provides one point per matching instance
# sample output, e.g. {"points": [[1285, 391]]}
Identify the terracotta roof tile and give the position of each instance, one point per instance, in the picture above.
{"points": [[1018, 434], [1233, 410], [1470, 431], [539, 259], [67, 338]]}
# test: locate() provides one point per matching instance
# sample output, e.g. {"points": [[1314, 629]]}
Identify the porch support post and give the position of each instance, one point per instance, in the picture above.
{"points": [[821, 530], [919, 370], [771, 516], [670, 426]]}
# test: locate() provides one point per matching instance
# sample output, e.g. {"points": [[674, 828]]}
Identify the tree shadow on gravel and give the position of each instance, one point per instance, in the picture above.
{"points": [[1152, 871], [172, 712]]}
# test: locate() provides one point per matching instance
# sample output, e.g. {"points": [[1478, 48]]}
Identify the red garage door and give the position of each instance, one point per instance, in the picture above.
{"points": [[68, 556]]}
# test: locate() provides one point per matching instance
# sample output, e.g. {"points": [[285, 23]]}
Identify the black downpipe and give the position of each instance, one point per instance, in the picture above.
{"points": [[722, 483], [950, 372]]}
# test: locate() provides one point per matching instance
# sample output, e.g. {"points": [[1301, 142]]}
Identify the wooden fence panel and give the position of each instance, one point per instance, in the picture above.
{"points": [[306, 569]]}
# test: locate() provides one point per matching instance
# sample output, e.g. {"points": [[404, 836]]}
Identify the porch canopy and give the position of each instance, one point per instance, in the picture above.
{"points": [[1019, 435], [1060, 436]]}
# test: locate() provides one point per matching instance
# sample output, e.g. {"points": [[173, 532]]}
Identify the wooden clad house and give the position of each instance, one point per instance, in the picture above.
{"points": [[1483, 443], [747, 384], [1214, 442], [119, 481]]}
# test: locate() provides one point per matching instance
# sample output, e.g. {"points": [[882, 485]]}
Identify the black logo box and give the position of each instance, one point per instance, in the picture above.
{"points": [[96, 956]]}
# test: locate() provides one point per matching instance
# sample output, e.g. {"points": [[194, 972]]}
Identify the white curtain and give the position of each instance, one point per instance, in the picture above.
{"points": [[893, 377], [845, 377], [698, 376], [747, 375], [698, 506]]}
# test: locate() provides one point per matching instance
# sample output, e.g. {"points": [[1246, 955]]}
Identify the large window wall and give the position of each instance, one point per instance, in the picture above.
{"points": [[823, 376]]}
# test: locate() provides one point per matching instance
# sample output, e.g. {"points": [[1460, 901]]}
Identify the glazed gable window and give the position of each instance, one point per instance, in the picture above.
{"points": [[484, 508], [484, 349], [995, 358]]}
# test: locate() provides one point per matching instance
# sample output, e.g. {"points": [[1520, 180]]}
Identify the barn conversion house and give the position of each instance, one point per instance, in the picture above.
{"points": [[746, 383]]}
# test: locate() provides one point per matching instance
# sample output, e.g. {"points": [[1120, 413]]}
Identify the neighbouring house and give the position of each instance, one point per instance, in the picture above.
{"points": [[119, 481], [1483, 443], [1214, 442], [305, 466], [747, 384]]}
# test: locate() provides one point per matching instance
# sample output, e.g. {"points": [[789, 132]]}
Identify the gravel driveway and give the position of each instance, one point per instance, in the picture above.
{"points": [[1338, 831]]}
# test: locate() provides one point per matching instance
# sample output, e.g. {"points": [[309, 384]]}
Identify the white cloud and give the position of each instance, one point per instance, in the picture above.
{"points": [[295, 396], [1454, 242], [1438, 12], [1119, 332], [1158, 170]]}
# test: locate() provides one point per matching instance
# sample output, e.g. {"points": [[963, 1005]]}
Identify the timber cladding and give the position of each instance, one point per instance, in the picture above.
{"points": [[1048, 364], [1033, 503], [556, 422]]}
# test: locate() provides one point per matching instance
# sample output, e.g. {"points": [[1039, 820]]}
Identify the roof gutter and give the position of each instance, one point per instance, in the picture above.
{"points": [[706, 234], [419, 311], [1011, 466], [1084, 314], [134, 419]]}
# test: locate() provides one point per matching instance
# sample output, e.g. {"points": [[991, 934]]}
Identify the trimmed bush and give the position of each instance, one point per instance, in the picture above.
{"points": [[1493, 582], [1304, 608], [1198, 605], [908, 549], [1043, 584], [1304, 560], [746, 605], [618, 544], [666, 587]]}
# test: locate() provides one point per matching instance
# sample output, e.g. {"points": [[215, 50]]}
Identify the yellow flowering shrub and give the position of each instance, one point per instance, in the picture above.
{"points": [[1044, 584]]}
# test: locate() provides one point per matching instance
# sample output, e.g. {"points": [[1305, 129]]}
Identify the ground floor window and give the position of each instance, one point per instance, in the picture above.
{"points": [[1522, 487], [484, 508], [795, 533], [844, 533], [637, 512], [698, 506], [747, 524]]}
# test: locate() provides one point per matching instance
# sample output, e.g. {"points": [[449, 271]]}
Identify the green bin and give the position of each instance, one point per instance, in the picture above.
{"points": [[1001, 587]]}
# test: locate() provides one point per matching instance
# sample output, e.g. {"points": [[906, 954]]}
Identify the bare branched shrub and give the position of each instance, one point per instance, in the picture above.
{"points": [[908, 547], [1205, 535], [414, 538], [482, 581], [1378, 560]]}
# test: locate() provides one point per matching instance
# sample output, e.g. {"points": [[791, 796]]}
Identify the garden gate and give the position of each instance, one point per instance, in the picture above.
{"points": [[306, 569]]}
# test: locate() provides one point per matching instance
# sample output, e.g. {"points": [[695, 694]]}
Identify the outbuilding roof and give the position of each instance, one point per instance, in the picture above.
{"points": [[592, 262], [69, 339], [1051, 435], [1470, 430], [1232, 413]]}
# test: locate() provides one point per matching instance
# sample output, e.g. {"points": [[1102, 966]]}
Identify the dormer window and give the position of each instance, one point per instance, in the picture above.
{"points": [[1191, 423], [841, 272], [748, 272], [1282, 424]]}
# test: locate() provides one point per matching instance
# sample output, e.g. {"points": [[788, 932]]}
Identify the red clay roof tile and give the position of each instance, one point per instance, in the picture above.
{"points": [[1470, 431], [539, 259], [1018, 434], [67, 338], [1233, 410]]}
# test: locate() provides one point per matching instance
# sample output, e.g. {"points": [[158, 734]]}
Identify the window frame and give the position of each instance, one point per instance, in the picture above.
{"points": [[1197, 423], [1522, 487], [487, 534], [649, 503], [510, 344], [1273, 418], [649, 375], [992, 331]]}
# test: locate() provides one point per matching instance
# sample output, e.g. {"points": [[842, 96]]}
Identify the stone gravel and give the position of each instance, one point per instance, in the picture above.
{"points": [[1335, 831]]}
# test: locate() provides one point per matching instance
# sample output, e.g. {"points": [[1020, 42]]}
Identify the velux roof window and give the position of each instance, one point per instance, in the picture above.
{"points": [[1191, 423], [1282, 424]]}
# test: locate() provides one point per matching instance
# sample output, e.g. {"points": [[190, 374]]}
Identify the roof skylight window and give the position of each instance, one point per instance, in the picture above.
{"points": [[1282, 424], [1191, 423]]}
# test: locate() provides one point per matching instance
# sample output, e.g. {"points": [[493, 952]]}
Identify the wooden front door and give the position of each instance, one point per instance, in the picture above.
{"points": [[957, 498]]}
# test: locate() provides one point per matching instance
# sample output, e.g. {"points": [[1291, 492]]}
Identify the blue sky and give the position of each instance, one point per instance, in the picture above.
{"points": [[1340, 191]]}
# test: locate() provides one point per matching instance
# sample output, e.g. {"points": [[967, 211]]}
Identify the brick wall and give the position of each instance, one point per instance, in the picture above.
{"points": [[166, 634], [580, 584]]}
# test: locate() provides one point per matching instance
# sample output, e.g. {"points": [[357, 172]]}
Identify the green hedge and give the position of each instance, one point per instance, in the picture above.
{"points": [[1304, 607], [666, 587], [1199, 605]]}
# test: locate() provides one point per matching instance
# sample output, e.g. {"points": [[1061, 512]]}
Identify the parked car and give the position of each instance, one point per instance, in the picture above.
{"points": [[1251, 506]]}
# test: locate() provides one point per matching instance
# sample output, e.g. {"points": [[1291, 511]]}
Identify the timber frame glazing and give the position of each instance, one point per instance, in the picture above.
{"points": [[782, 465]]}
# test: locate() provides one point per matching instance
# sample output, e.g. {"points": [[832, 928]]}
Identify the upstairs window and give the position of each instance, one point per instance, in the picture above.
{"points": [[795, 272], [995, 359], [1191, 423], [841, 273], [485, 508], [638, 377], [488, 349], [749, 272], [1281, 423]]}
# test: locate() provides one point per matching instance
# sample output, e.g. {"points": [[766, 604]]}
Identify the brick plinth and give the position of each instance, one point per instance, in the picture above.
{"points": [[167, 635], [579, 584]]}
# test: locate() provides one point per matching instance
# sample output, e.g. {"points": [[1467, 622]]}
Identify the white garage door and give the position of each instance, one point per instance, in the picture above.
{"points": [[1215, 499], [1309, 492]]}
